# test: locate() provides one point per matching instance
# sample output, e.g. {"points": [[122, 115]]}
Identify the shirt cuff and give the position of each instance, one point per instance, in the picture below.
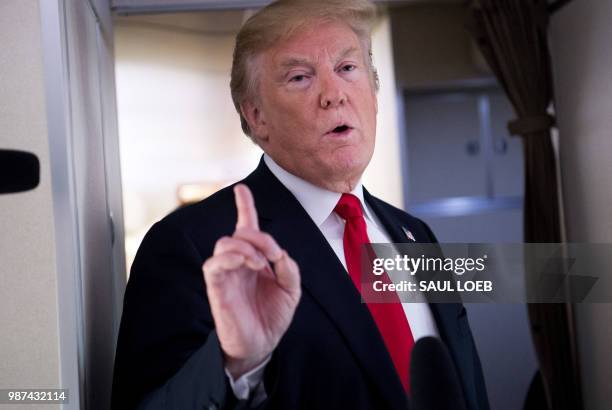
{"points": [[250, 384]]}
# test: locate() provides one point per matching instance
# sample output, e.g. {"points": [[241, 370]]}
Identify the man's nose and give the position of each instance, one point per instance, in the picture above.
{"points": [[332, 94]]}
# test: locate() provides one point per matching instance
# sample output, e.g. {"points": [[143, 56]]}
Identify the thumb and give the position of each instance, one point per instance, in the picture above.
{"points": [[287, 274]]}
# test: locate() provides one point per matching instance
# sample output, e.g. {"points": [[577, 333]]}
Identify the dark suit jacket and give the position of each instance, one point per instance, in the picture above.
{"points": [[332, 356]]}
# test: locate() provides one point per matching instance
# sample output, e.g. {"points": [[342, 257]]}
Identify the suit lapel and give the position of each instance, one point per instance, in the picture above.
{"points": [[401, 233], [396, 231], [325, 280]]}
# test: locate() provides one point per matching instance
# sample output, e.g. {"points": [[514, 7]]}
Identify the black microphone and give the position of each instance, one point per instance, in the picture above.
{"points": [[434, 383], [19, 171]]}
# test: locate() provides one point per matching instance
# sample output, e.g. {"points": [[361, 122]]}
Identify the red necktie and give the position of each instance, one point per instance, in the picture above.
{"points": [[389, 317]]}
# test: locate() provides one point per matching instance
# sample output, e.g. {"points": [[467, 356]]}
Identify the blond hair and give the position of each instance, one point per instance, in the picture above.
{"points": [[280, 20]]}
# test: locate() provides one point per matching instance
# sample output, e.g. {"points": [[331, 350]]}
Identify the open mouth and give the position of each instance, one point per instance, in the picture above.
{"points": [[340, 129]]}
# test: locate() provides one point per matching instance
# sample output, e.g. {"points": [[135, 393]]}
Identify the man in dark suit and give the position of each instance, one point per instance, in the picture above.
{"points": [[251, 298]]}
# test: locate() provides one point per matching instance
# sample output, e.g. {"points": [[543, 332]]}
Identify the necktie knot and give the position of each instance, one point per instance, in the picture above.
{"points": [[349, 207]]}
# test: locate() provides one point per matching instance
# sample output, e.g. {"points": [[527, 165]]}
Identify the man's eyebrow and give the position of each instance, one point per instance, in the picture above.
{"points": [[301, 61], [347, 51], [294, 61]]}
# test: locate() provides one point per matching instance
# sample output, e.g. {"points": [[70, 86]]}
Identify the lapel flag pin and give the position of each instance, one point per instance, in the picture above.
{"points": [[409, 234]]}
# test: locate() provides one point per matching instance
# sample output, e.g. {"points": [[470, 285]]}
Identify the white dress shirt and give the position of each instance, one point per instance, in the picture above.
{"points": [[319, 204]]}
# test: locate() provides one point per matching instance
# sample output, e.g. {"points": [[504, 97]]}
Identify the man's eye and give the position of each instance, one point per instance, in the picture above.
{"points": [[297, 78], [349, 67]]}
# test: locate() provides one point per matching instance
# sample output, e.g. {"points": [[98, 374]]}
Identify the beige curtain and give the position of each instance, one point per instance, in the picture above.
{"points": [[511, 34]]}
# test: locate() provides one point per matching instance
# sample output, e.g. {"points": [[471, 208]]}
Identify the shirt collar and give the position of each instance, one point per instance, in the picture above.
{"points": [[318, 202]]}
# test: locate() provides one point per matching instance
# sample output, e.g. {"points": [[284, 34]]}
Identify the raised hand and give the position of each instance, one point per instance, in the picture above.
{"points": [[252, 303]]}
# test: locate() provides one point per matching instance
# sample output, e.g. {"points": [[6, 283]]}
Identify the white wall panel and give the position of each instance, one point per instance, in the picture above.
{"points": [[580, 36], [29, 335]]}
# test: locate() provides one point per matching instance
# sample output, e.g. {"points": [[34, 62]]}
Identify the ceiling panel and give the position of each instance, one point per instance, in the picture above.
{"points": [[160, 6]]}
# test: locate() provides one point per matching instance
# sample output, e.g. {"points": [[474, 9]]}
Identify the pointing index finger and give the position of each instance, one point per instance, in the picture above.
{"points": [[247, 214]]}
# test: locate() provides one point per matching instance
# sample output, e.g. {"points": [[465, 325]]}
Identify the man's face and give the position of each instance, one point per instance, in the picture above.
{"points": [[315, 113]]}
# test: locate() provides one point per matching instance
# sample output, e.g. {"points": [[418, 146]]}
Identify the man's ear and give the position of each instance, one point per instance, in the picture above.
{"points": [[256, 120]]}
